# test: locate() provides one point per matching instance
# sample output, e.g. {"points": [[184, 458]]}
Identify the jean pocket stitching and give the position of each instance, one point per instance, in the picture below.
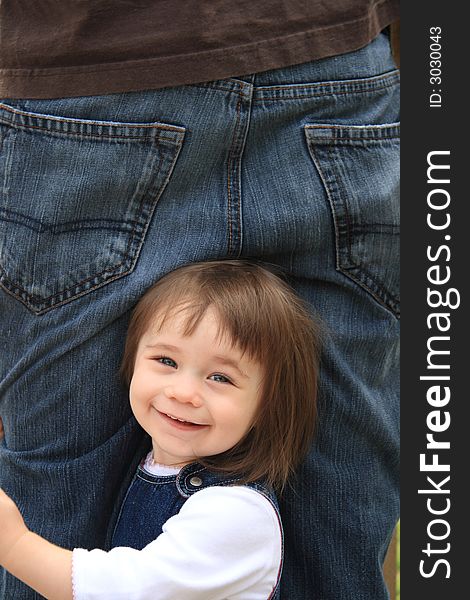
{"points": [[345, 227], [155, 178], [22, 119]]}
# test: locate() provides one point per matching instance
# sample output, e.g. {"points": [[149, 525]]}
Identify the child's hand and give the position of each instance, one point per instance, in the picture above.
{"points": [[32, 559], [12, 525]]}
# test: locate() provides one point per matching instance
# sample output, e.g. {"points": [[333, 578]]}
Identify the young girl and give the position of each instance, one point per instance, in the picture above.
{"points": [[221, 358]]}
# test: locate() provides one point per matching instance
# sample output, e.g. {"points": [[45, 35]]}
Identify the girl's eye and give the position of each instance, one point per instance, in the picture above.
{"points": [[165, 360], [220, 378]]}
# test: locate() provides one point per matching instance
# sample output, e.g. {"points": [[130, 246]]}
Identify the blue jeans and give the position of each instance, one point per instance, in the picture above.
{"points": [[100, 196]]}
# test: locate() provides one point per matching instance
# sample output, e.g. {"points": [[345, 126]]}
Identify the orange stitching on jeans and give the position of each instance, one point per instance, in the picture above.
{"points": [[229, 162]]}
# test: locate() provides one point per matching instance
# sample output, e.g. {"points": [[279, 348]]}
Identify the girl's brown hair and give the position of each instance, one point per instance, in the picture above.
{"points": [[262, 316]]}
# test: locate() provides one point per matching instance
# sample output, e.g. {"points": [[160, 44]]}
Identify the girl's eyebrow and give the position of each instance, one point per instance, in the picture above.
{"points": [[167, 347]]}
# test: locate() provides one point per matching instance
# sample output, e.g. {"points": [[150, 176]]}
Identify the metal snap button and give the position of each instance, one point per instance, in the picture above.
{"points": [[195, 481]]}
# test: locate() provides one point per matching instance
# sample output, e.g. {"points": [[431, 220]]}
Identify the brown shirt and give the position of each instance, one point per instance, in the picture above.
{"points": [[55, 48]]}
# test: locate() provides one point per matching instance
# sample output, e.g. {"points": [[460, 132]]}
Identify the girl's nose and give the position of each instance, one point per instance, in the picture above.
{"points": [[184, 390]]}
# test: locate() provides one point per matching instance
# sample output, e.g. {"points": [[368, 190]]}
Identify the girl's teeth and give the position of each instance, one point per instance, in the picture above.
{"points": [[175, 419]]}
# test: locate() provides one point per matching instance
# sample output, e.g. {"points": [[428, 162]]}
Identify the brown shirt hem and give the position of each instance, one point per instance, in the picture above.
{"points": [[183, 69]]}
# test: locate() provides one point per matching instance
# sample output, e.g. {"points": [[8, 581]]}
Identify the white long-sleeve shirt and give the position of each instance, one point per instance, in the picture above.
{"points": [[224, 544]]}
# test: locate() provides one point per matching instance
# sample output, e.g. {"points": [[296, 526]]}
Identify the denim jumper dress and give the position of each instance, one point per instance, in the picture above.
{"points": [[152, 499]]}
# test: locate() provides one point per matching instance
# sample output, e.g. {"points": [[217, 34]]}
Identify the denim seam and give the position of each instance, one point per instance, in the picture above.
{"points": [[87, 122], [124, 138], [343, 133], [3, 138], [52, 296], [365, 84], [229, 181], [371, 284], [323, 95], [13, 289], [301, 96], [121, 509], [233, 175], [350, 141], [221, 88], [362, 128], [386, 298], [29, 222], [171, 479], [239, 203]]}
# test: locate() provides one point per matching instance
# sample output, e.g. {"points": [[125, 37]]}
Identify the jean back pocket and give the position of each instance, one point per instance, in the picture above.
{"points": [[359, 167], [77, 197]]}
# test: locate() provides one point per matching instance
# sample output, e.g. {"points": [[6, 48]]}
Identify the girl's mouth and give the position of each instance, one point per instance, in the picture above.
{"points": [[181, 423]]}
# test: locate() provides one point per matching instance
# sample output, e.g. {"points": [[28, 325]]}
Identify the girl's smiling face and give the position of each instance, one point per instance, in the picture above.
{"points": [[196, 395]]}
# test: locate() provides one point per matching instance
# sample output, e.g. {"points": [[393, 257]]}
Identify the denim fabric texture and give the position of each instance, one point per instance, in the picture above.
{"points": [[101, 196], [151, 500]]}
